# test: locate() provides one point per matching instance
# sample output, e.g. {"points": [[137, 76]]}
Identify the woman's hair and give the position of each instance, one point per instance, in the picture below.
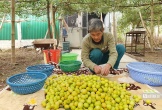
{"points": [[95, 25]]}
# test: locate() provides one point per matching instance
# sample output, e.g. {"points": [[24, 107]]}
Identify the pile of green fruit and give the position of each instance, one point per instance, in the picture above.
{"points": [[87, 92]]}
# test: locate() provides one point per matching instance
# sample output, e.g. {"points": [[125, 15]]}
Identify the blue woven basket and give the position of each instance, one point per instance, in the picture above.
{"points": [[26, 83], [44, 68], [146, 73]]}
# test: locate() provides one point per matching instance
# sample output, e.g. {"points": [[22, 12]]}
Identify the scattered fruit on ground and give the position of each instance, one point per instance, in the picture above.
{"points": [[148, 101]]}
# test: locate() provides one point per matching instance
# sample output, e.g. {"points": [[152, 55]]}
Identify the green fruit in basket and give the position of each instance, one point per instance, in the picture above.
{"points": [[103, 95], [82, 100], [66, 106], [105, 89], [56, 106], [117, 99], [72, 106], [83, 91], [74, 93], [43, 103], [130, 107], [103, 105], [97, 103], [80, 105], [137, 98], [86, 105], [97, 108], [90, 108], [75, 103], [120, 107], [70, 97], [86, 92], [109, 107]]}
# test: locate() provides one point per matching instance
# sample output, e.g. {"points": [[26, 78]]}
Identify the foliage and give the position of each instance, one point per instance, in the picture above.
{"points": [[38, 7], [128, 8], [4, 7], [130, 15]]}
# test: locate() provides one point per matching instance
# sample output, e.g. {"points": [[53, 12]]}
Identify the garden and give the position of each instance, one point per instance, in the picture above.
{"points": [[82, 91]]}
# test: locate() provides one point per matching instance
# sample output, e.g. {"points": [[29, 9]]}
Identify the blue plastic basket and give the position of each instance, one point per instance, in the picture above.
{"points": [[26, 83], [146, 73], [44, 68]]}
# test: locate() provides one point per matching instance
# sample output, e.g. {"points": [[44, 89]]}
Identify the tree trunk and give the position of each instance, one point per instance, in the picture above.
{"points": [[13, 32], [152, 25], [48, 18], [2, 21], [143, 24], [52, 22], [157, 38]]}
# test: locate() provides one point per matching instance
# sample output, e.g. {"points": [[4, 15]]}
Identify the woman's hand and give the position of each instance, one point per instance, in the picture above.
{"points": [[97, 69], [105, 69]]}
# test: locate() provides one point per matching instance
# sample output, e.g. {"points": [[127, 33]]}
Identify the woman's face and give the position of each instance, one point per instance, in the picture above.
{"points": [[96, 35]]}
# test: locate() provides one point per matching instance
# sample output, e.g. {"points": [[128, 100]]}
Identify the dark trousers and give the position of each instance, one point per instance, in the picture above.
{"points": [[98, 57]]}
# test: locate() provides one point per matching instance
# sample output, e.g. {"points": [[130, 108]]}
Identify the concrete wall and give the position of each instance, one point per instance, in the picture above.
{"points": [[74, 37]]}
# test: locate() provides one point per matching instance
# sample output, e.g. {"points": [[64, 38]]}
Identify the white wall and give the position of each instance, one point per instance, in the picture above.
{"points": [[6, 44], [75, 34], [74, 37]]}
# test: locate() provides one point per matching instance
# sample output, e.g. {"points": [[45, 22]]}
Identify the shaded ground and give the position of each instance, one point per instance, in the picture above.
{"points": [[154, 57], [26, 57]]}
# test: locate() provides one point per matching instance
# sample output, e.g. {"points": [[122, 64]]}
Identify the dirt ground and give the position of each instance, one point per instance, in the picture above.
{"points": [[27, 56], [24, 57]]}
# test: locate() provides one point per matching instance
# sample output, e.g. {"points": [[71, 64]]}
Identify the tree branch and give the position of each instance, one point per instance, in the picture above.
{"points": [[27, 1]]}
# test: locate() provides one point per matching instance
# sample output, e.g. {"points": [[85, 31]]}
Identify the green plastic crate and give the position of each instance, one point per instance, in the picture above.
{"points": [[69, 57]]}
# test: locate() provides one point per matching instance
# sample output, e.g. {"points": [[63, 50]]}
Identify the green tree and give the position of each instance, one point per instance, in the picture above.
{"points": [[130, 9]]}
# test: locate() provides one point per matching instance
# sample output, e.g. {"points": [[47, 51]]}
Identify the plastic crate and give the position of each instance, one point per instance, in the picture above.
{"points": [[70, 66], [44, 68], [146, 73], [26, 83]]}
